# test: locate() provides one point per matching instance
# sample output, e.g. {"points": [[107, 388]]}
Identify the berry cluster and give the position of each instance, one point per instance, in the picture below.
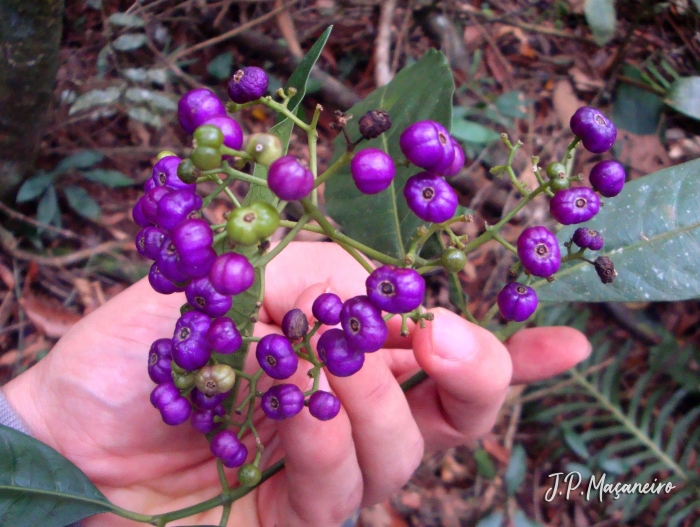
{"points": [[537, 247]]}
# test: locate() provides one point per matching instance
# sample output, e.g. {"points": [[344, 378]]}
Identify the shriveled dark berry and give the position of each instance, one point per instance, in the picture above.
{"points": [[295, 324], [247, 84], [374, 123], [588, 239], [605, 269]]}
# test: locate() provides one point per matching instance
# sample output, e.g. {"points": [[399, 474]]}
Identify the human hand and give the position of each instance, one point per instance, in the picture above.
{"points": [[89, 399]]}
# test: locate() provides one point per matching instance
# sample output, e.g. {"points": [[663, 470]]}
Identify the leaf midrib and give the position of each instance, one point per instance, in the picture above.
{"points": [[30, 490]]}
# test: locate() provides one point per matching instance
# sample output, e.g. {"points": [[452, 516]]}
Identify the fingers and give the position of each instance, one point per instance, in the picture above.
{"points": [[470, 373], [539, 353], [322, 475], [303, 264]]}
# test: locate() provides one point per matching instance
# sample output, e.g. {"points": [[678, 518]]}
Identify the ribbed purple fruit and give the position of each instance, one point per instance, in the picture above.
{"points": [[168, 261], [176, 207], [588, 239], [457, 163], [223, 336], [162, 285], [289, 179], [363, 324], [233, 135], [228, 448], [173, 407], [372, 170], [430, 197], [196, 107], [207, 402], [191, 349], [326, 309], [427, 144], [282, 401], [197, 263], [149, 241], [539, 252], [247, 84], [203, 420], [323, 405], [191, 235], [517, 302], [149, 203], [574, 205], [138, 216], [276, 356], [159, 360], [608, 178], [231, 274], [596, 131], [202, 296], [339, 358], [165, 175], [395, 289]]}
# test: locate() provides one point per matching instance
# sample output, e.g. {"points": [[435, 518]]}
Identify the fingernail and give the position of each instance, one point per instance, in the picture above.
{"points": [[452, 337]]}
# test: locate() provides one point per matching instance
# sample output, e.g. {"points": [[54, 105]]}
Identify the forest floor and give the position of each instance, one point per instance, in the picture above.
{"points": [[535, 61]]}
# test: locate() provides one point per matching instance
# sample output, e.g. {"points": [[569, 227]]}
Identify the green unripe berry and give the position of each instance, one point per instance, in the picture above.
{"points": [[555, 170], [248, 225], [164, 153], [249, 475], [208, 135], [264, 148], [183, 381], [176, 369], [187, 172], [215, 379], [206, 158], [559, 184], [453, 259]]}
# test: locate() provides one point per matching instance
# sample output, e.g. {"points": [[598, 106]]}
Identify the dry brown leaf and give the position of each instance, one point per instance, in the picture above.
{"points": [[90, 294], [7, 276], [49, 316], [584, 82], [497, 451], [565, 102], [380, 515], [643, 153], [29, 353], [6, 307]]}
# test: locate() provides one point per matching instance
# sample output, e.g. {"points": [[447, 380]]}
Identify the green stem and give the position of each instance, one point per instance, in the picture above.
{"points": [[331, 170], [236, 153], [282, 108], [222, 185], [225, 514], [505, 243], [489, 315], [312, 138], [242, 176], [414, 380]]}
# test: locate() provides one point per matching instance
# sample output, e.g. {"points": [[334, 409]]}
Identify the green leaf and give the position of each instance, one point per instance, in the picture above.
{"points": [[473, 132], [82, 159], [48, 206], [495, 519], [126, 20], [111, 178], [220, 66], [144, 115], [383, 221], [34, 186], [651, 231], [129, 41], [600, 15], [516, 469], [576, 443], [684, 96], [283, 129], [154, 99], [95, 98], [636, 110], [38, 486], [484, 464], [82, 203]]}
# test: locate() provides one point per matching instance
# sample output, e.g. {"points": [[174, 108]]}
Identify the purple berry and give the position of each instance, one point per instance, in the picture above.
{"points": [[202, 296], [294, 324], [228, 448], [326, 309], [160, 284], [197, 263], [339, 358], [196, 107], [608, 178], [138, 216], [394, 289], [276, 356], [596, 131], [149, 184], [574, 205], [247, 84], [168, 262], [231, 274], [457, 163], [149, 203], [191, 235], [427, 144], [363, 324], [588, 239], [282, 401], [323, 405], [233, 135], [372, 170], [430, 197], [289, 179], [207, 402], [191, 350], [203, 420], [159, 359], [517, 302], [177, 412], [176, 207], [164, 394], [538, 250], [149, 241], [165, 174], [223, 336]]}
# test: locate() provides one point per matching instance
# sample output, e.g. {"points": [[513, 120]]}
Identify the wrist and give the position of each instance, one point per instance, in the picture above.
{"points": [[20, 395]]}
